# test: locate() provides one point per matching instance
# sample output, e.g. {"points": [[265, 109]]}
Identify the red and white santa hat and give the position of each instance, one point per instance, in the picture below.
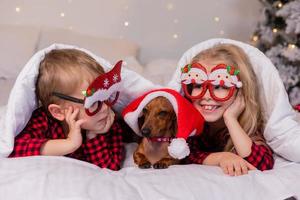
{"points": [[189, 121]]}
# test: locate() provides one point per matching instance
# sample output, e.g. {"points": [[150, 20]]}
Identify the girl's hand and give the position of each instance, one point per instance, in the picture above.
{"points": [[236, 108], [74, 135], [234, 165]]}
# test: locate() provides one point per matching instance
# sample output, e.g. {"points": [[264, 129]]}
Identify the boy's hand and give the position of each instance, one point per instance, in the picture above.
{"points": [[74, 135], [236, 108], [234, 165]]}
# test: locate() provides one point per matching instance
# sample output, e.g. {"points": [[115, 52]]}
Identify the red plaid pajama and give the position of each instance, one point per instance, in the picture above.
{"points": [[105, 150]]}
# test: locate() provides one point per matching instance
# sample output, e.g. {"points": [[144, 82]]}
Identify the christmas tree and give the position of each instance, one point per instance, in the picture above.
{"points": [[278, 36]]}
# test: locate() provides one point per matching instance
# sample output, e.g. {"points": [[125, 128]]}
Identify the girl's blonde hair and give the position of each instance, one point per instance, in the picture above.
{"points": [[63, 71], [251, 118]]}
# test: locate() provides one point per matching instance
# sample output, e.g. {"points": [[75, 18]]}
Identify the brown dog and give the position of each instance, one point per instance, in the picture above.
{"points": [[158, 122]]}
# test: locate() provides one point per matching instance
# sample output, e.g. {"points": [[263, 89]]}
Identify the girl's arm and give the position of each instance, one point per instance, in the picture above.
{"points": [[259, 156], [241, 141]]}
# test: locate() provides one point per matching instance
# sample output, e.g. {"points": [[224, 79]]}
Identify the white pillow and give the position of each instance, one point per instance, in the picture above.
{"points": [[111, 49], [22, 99], [282, 130], [2, 111], [17, 44], [133, 64], [160, 71], [6, 86]]}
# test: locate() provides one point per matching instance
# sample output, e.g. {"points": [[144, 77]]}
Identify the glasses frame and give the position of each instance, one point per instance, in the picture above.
{"points": [[80, 101]]}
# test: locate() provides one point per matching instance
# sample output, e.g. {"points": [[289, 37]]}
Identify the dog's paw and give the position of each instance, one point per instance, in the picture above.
{"points": [[160, 165], [145, 165]]}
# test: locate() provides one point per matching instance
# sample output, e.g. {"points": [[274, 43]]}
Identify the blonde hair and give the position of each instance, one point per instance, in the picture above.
{"points": [[64, 71], [251, 118]]}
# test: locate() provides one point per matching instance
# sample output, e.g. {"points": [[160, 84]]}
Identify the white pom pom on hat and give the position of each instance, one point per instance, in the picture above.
{"points": [[189, 121]]}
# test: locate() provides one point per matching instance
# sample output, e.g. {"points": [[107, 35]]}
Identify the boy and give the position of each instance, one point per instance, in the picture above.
{"points": [[75, 118]]}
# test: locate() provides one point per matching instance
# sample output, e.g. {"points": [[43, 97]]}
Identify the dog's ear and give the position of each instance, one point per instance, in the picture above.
{"points": [[174, 125], [141, 121]]}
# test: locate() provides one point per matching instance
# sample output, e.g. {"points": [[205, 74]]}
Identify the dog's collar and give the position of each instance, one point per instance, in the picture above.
{"points": [[160, 139]]}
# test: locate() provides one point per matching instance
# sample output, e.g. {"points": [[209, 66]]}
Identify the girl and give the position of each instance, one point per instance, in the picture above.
{"points": [[222, 85]]}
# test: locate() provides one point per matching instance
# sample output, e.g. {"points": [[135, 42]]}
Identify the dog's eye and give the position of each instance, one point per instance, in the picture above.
{"points": [[145, 111], [162, 113]]}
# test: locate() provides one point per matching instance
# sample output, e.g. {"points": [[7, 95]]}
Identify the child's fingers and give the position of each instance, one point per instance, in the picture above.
{"points": [[68, 114], [250, 167], [74, 115], [244, 168], [225, 170], [237, 169], [230, 169]]}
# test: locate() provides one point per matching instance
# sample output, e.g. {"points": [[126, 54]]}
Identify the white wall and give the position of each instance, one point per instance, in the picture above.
{"points": [[152, 24]]}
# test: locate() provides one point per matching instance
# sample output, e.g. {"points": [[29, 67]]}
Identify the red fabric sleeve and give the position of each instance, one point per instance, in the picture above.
{"points": [[197, 156], [106, 150], [261, 157], [31, 139]]}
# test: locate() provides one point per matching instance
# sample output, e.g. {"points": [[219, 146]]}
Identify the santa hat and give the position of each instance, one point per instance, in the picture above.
{"points": [[189, 121]]}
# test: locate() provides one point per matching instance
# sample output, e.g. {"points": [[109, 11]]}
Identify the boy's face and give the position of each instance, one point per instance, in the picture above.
{"points": [[100, 122]]}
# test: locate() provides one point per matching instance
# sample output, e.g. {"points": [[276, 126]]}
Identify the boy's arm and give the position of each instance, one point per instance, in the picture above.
{"points": [[106, 150], [33, 139], [30, 141]]}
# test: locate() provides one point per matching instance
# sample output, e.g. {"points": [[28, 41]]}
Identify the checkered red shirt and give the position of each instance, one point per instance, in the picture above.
{"points": [[104, 150], [260, 157]]}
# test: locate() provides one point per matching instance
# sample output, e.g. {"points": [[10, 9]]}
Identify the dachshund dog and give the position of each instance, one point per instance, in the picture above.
{"points": [[158, 126]]}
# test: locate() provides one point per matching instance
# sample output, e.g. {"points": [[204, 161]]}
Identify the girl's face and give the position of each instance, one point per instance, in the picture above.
{"points": [[102, 120], [210, 109]]}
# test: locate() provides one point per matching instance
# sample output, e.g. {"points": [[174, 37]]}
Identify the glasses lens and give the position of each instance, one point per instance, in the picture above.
{"points": [[112, 99], [197, 89], [96, 107], [221, 92]]}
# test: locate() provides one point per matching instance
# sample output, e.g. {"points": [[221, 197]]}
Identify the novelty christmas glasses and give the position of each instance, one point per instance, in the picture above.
{"points": [[104, 89], [221, 82]]}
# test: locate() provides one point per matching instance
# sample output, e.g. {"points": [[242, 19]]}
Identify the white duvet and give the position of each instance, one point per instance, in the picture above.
{"points": [[69, 179], [37, 178]]}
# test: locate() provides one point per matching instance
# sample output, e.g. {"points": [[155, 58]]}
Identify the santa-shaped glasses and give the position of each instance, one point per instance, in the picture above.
{"points": [[104, 89], [221, 82]]}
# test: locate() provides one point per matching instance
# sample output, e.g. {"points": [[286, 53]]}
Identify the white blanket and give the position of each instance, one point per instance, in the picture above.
{"points": [[69, 179]]}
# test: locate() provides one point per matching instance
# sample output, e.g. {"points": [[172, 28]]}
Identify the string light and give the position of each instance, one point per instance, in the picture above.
{"points": [[275, 30], [255, 38], [279, 5], [62, 14], [175, 36], [170, 6], [18, 9], [217, 19], [291, 46], [126, 23]]}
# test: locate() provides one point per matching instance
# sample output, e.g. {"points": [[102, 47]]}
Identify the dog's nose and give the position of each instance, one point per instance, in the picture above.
{"points": [[146, 132]]}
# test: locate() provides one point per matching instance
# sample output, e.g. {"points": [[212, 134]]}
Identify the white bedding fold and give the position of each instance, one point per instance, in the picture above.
{"points": [[65, 178]]}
